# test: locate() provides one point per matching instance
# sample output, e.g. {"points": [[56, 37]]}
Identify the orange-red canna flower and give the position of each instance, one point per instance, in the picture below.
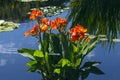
{"points": [[58, 22], [53, 24], [78, 33], [35, 13], [74, 37], [45, 21], [27, 33], [33, 31], [61, 21], [43, 27]]}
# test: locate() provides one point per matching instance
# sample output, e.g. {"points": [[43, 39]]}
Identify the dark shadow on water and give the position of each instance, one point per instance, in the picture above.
{"points": [[17, 11]]}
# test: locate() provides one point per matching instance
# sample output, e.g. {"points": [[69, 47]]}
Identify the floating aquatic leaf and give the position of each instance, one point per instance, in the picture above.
{"points": [[116, 40], [2, 21], [103, 39], [8, 26], [53, 10], [102, 35], [92, 36]]}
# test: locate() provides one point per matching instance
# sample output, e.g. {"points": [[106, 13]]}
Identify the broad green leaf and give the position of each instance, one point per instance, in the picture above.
{"points": [[38, 53], [78, 62], [31, 63], [64, 62], [85, 51], [89, 64], [96, 70], [84, 43], [27, 53], [84, 74], [93, 43], [84, 46], [89, 47], [57, 71], [74, 48], [32, 69]]}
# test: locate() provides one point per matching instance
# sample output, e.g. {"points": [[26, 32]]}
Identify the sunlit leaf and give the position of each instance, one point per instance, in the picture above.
{"points": [[77, 64], [31, 63], [57, 71], [38, 53], [64, 62], [27, 53], [74, 48]]}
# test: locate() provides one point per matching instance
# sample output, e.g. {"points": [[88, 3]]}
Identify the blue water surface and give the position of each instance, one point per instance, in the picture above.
{"points": [[12, 64]]}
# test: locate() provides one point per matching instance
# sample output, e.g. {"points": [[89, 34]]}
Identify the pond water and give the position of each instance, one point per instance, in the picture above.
{"points": [[12, 64]]}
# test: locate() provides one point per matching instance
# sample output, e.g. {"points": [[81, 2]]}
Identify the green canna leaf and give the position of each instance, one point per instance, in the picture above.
{"points": [[31, 63], [92, 63], [96, 70], [32, 69], [27, 53], [77, 64], [84, 74], [64, 62], [38, 53], [74, 48], [57, 71], [93, 43]]}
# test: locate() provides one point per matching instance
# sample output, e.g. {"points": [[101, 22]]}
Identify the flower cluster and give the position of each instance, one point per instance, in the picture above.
{"points": [[77, 32], [59, 53], [35, 13], [58, 22]]}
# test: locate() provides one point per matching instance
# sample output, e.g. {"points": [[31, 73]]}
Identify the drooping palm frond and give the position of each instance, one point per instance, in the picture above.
{"points": [[99, 16]]}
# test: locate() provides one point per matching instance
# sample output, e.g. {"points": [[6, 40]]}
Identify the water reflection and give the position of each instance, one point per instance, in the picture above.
{"points": [[99, 16], [8, 48], [12, 64], [17, 11], [3, 62], [110, 62]]}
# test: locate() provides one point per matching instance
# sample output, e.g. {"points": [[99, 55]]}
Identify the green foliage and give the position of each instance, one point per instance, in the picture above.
{"points": [[52, 65], [90, 67], [38, 53], [60, 55], [27, 53], [100, 15]]}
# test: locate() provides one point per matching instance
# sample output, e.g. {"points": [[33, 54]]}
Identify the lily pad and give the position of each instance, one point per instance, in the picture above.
{"points": [[116, 40], [7, 26], [53, 10]]}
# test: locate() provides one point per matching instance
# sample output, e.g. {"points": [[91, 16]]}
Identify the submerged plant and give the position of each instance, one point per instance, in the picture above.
{"points": [[60, 55]]}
